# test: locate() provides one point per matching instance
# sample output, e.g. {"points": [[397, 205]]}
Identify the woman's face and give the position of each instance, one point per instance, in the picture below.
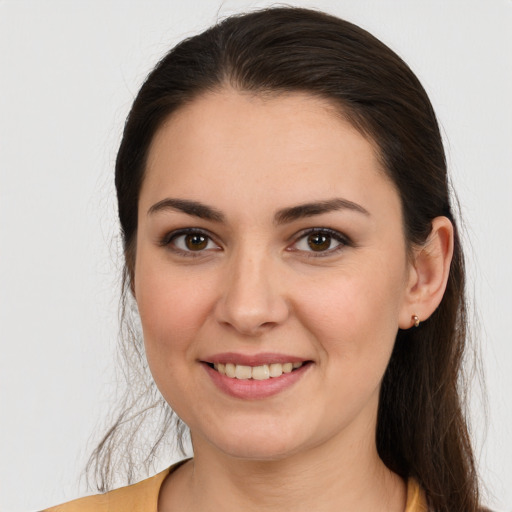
{"points": [[268, 235]]}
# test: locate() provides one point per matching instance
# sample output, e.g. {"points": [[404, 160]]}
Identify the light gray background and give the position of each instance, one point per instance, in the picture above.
{"points": [[68, 73]]}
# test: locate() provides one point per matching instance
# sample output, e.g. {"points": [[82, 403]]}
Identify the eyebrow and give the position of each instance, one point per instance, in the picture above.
{"points": [[283, 216], [316, 208], [194, 208]]}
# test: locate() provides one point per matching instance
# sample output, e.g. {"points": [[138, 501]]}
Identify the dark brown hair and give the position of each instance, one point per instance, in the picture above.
{"points": [[421, 430]]}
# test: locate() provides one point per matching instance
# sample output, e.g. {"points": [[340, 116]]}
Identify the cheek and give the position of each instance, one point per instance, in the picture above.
{"points": [[354, 314], [354, 322], [172, 309]]}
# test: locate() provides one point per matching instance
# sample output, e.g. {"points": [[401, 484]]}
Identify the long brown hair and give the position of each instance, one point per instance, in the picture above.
{"points": [[421, 429]]}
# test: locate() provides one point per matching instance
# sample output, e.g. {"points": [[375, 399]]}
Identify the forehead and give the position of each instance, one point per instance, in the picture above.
{"points": [[286, 146], [240, 116]]}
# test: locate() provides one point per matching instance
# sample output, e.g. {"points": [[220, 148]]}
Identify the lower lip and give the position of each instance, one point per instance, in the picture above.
{"points": [[251, 389]]}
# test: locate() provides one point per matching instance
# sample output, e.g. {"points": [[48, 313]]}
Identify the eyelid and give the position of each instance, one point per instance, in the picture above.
{"points": [[167, 239], [343, 239]]}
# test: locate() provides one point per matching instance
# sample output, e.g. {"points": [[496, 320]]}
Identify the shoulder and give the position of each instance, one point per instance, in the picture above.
{"points": [[416, 500], [140, 497]]}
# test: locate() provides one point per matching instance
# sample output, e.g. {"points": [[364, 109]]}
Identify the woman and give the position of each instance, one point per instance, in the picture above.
{"points": [[293, 253]]}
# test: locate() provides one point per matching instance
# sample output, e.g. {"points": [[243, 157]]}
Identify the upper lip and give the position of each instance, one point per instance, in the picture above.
{"points": [[254, 359]]}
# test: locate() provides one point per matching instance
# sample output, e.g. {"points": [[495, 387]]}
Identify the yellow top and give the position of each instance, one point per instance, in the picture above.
{"points": [[416, 501], [143, 497]]}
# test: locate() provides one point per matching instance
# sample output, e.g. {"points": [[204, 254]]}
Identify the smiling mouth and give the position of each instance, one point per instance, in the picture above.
{"points": [[262, 372]]}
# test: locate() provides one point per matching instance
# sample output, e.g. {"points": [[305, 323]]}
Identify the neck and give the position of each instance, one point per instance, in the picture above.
{"points": [[320, 479]]}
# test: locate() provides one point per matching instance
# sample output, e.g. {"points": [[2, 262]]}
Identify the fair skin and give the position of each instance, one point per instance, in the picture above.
{"points": [[255, 279]]}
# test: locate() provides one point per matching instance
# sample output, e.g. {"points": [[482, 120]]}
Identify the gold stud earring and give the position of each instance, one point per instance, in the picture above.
{"points": [[416, 320]]}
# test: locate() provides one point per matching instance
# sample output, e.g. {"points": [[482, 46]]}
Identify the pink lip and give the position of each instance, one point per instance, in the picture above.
{"points": [[253, 360], [251, 389]]}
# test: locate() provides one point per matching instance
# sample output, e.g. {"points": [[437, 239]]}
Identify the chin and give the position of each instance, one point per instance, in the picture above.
{"points": [[258, 444]]}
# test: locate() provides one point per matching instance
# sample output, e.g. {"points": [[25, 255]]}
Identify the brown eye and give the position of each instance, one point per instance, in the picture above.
{"points": [[319, 242], [190, 242], [196, 242]]}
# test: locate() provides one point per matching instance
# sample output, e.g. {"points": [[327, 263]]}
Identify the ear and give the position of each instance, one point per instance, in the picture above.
{"points": [[428, 274]]}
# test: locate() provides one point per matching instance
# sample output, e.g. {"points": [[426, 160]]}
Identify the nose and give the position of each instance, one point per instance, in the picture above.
{"points": [[252, 300]]}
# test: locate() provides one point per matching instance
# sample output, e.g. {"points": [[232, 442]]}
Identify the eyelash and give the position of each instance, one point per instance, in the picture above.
{"points": [[168, 240], [343, 240]]}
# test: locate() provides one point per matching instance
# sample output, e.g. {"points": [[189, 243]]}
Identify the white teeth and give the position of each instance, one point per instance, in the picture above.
{"points": [[276, 370], [230, 370], [263, 372], [243, 372], [287, 367]]}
